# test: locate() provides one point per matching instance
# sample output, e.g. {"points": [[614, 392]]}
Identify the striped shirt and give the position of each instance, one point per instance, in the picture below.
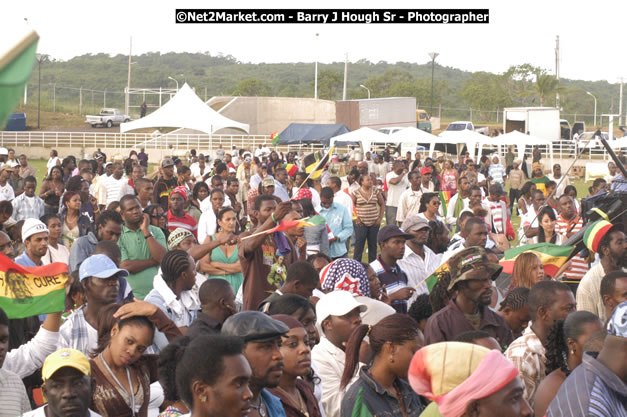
{"points": [[368, 209], [528, 355], [590, 390], [579, 266], [393, 278], [13, 398], [496, 211], [186, 222]]}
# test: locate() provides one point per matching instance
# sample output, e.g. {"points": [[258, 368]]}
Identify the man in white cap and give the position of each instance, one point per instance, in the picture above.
{"points": [[338, 314], [4, 155], [35, 238], [6, 191]]}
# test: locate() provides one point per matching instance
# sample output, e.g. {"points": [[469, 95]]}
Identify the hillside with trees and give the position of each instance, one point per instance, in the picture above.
{"points": [[455, 90]]}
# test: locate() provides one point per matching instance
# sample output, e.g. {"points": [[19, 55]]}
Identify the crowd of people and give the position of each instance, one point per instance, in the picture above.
{"points": [[187, 297]]}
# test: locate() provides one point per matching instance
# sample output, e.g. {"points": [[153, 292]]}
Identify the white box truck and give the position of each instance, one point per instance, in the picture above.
{"points": [[541, 122]]}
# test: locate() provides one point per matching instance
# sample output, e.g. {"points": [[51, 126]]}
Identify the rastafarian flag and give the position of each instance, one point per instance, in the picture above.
{"points": [[31, 291]]}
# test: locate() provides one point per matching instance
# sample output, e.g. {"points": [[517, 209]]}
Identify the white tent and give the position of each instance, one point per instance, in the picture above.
{"points": [[519, 139], [365, 135], [618, 143], [185, 110]]}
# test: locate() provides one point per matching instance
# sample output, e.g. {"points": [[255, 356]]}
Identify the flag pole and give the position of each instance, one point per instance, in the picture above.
{"points": [[315, 169]]}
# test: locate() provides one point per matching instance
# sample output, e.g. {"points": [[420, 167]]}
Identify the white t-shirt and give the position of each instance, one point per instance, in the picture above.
{"points": [[6, 192], [207, 225], [113, 188], [40, 412], [52, 162], [395, 190], [61, 254]]}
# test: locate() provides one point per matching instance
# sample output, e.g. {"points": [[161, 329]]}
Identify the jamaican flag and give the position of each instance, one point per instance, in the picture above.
{"points": [[31, 291], [17, 56], [315, 162], [552, 256]]}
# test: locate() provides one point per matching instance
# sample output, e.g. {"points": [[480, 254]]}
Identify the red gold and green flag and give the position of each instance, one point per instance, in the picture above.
{"points": [[291, 169], [552, 256], [432, 279], [275, 138], [445, 196], [31, 291]]}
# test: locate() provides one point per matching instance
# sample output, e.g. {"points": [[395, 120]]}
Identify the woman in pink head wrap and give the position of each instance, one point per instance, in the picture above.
{"points": [[463, 379]]}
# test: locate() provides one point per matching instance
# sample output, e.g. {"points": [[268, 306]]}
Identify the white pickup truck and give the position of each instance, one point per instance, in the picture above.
{"points": [[108, 118], [465, 125]]}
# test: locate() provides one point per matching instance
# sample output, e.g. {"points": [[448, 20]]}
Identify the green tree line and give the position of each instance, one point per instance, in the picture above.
{"points": [[520, 85]]}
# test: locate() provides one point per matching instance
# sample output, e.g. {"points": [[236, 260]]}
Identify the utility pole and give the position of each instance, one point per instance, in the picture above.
{"points": [[128, 83], [80, 101], [620, 104], [557, 71], [54, 97], [433, 56], [316, 70], [346, 76]]}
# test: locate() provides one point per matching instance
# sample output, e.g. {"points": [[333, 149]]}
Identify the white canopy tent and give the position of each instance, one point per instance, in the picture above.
{"points": [[520, 140], [185, 110], [618, 143], [411, 135], [365, 135]]}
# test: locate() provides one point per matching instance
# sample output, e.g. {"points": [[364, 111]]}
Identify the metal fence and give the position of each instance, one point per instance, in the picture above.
{"points": [[209, 143]]}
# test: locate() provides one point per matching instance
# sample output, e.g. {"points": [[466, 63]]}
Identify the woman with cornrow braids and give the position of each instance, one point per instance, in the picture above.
{"points": [[172, 289], [564, 352], [381, 386]]}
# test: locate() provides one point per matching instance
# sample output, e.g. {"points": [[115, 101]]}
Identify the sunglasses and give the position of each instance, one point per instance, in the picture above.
{"points": [[156, 216]]}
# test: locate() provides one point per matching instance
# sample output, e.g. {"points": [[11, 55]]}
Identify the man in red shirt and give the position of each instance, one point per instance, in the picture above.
{"points": [[569, 223], [177, 216]]}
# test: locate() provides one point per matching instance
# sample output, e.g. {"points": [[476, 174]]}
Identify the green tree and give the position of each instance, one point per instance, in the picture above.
{"points": [[545, 84], [252, 87], [485, 91], [329, 84]]}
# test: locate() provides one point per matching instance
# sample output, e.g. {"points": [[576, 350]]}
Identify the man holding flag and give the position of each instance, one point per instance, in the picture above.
{"points": [[256, 253]]}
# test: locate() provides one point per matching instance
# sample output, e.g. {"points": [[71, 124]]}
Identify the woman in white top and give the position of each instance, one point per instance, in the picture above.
{"points": [[430, 207], [54, 160], [546, 225], [56, 251]]}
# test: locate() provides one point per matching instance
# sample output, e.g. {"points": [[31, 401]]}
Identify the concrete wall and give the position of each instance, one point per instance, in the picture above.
{"points": [[267, 115]]}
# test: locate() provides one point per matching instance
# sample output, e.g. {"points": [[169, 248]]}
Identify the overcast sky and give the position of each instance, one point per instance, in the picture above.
{"points": [[591, 34]]}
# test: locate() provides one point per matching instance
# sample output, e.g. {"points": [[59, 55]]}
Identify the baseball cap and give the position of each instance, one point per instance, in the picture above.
{"points": [[253, 326], [415, 223], [99, 155], [4, 151], [99, 266], [267, 182], [617, 324], [337, 303], [63, 358], [107, 164], [390, 231], [466, 261], [596, 232], [426, 170], [32, 226], [167, 162]]}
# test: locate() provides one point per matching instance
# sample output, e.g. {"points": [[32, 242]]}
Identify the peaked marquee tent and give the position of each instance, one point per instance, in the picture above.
{"points": [[185, 110], [364, 136]]}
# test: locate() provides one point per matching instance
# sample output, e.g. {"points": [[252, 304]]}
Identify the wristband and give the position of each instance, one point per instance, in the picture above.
{"points": [[148, 236], [273, 219]]}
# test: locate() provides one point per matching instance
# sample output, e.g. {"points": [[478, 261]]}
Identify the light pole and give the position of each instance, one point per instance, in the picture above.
{"points": [[367, 89], [433, 56], [41, 58], [177, 83], [595, 106], [316, 69]]}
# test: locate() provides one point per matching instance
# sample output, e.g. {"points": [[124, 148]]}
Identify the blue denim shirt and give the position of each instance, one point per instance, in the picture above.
{"points": [[273, 404], [341, 224]]}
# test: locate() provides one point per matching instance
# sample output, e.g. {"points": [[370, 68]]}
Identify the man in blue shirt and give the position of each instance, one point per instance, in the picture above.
{"points": [[35, 238], [340, 222]]}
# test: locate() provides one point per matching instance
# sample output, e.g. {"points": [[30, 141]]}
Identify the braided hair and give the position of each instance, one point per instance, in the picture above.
{"points": [[515, 299], [173, 264], [557, 340]]}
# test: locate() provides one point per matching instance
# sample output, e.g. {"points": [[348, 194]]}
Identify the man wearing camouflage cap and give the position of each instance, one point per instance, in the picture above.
{"points": [[471, 276]]}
